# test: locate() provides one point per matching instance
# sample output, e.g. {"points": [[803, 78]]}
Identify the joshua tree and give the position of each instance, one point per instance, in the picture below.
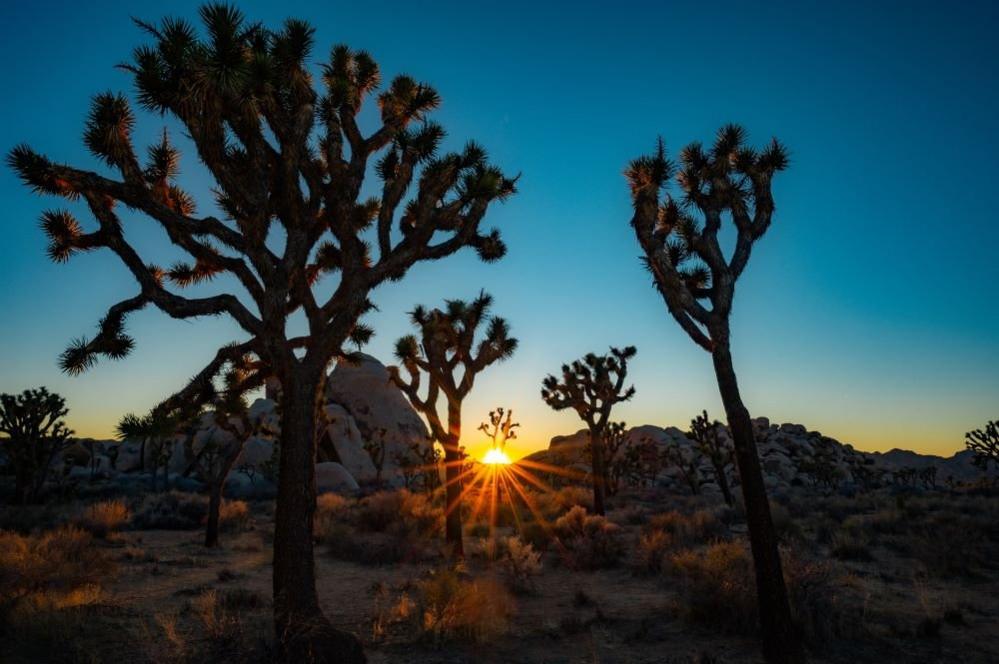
{"points": [[288, 159], [500, 428], [35, 434], [156, 432], [451, 357], [614, 461], [685, 461], [591, 387], [985, 444], [712, 442], [683, 252]]}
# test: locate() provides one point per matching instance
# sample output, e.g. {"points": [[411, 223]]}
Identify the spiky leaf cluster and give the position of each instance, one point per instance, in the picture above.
{"points": [[985, 444], [679, 236]]}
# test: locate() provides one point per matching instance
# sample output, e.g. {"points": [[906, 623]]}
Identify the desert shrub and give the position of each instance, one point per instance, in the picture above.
{"points": [[785, 525], [653, 547], [172, 510], [105, 517], [947, 545], [400, 511], [846, 545], [520, 564], [234, 516], [226, 632], [553, 504], [452, 607], [331, 509], [717, 589], [699, 527], [344, 542], [59, 567], [536, 534], [589, 541], [478, 529], [26, 519]]}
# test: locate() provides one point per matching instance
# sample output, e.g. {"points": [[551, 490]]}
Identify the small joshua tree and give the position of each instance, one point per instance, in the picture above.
{"points": [[615, 437], [375, 447], [500, 428], [289, 154], [985, 445], [591, 386], [712, 442], [156, 432], [448, 354], [683, 252], [686, 462], [32, 422]]}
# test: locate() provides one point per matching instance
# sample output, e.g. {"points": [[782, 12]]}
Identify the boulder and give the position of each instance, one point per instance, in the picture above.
{"points": [[364, 391], [333, 477], [347, 445]]}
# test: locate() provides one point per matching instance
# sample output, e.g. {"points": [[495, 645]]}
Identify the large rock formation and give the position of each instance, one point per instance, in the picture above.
{"points": [[361, 405], [790, 456]]}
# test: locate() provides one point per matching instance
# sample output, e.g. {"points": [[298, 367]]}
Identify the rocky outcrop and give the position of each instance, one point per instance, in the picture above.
{"points": [[790, 456], [360, 405]]}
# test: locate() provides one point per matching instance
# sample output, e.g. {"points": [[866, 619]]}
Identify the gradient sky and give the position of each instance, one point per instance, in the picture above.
{"points": [[867, 312]]}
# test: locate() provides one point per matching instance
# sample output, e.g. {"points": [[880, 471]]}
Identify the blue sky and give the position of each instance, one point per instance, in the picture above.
{"points": [[867, 312]]}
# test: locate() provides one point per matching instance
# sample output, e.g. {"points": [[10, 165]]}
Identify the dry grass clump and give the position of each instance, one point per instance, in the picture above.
{"points": [[718, 589], [103, 518], [383, 528], [651, 554], [234, 516], [553, 504], [699, 527], [589, 541], [171, 510], [60, 567], [225, 632], [521, 564], [402, 509], [450, 607]]}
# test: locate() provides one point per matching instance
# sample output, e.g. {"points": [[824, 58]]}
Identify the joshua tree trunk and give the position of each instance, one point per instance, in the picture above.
{"points": [[780, 639], [723, 482], [215, 498], [304, 632], [599, 471], [452, 479]]}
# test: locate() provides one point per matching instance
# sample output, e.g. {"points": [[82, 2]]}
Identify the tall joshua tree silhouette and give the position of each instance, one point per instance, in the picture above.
{"points": [[697, 281], [289, 160], [446, 351], [591, 386]]}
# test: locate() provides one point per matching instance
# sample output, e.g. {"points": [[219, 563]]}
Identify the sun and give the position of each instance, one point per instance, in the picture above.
{"points": [[496, 457]]}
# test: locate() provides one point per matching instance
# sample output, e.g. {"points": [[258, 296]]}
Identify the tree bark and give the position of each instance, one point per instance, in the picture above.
{"points": [[452, 478], [599, 473], [781, 643], [303, 632]]}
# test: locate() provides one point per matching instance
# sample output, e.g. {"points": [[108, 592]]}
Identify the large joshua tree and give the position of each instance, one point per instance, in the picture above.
{"points": [[591, 386], [448, 353], [729, 182], [34, 435], [289, 160]]}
